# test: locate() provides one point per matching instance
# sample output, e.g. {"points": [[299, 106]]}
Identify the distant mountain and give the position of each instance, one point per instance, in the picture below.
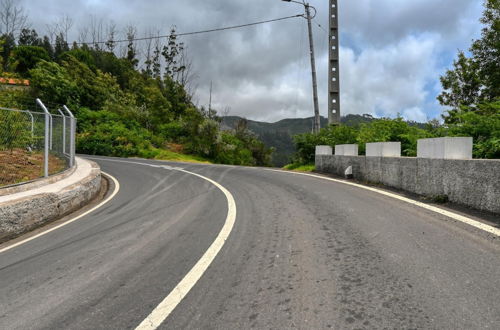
{"points": [[279, 134]]}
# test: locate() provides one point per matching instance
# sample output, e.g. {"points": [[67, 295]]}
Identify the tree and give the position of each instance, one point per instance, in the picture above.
{"points": [[476, 79], [47, 45], [111, 32], [462, 85], [65, 24], [61, 45], [8, 44], [172, 52], [53, 84], [131, 50], [156, 65], [29, 37], [12, 18], [25, 58], [486, 51]]}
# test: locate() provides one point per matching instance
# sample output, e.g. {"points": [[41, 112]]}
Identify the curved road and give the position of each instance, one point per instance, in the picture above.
{"points": [[304, 253]]}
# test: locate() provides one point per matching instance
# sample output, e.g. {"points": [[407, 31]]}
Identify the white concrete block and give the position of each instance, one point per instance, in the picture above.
{"points": [[323, 150], [383, 149], [445, 148], [346, 149]]}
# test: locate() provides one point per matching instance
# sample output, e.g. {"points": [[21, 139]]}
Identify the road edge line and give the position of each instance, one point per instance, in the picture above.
{"points": [[455, 216], [167, 305], [110, 197]]}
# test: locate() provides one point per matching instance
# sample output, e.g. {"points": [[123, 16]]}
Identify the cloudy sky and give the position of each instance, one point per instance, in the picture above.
{"points": [[392, 51]]}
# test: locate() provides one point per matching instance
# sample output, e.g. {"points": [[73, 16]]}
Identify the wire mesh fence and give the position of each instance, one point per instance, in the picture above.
{"points": [[34, 144]]}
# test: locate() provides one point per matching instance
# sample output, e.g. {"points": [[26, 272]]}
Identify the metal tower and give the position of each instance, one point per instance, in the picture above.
{"points": [[333, 66]]}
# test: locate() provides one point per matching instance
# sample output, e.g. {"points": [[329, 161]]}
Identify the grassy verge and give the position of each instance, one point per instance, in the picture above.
{"points": [[300, 167], [178, 157]]}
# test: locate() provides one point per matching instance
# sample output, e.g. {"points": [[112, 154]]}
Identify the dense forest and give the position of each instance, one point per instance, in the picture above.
{"points": [[471, 92], [128, 101]]}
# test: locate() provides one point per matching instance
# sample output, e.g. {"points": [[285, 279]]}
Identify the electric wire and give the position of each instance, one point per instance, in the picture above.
{"points": [[193, 32]]}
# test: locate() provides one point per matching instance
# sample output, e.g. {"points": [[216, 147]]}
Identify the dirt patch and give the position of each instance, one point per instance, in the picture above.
{"points": [[20, 166]]}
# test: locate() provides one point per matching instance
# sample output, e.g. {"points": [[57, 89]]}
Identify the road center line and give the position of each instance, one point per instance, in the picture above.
{"points": [[455, 216], [110, 197], [163, 310]]}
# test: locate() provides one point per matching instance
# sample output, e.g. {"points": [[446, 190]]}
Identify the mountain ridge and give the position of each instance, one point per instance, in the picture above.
{"points": [[279, 134]]}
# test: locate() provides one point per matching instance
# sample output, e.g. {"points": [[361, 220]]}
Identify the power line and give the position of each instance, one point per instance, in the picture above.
{"points": [[192, 33]]}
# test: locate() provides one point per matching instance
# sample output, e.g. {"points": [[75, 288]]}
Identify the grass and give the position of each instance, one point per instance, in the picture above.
{"points": [[179, 157], [300, 167]]}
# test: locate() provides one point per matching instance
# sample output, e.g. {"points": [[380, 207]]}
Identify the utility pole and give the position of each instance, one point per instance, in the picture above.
{"points": [[333, 66], [307, 6], [210, 99], [317, 123]]}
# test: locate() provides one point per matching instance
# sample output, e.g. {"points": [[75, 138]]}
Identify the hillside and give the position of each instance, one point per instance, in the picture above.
{"points": [[279, 134]]}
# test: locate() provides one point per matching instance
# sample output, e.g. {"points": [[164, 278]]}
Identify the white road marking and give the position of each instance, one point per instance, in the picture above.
{"points": [[455, 216], [163, 310], [167, 167], [110, 197]]}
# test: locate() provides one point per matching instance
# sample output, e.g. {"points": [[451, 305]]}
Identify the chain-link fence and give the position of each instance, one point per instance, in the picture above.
{"points": [[35, 144]]}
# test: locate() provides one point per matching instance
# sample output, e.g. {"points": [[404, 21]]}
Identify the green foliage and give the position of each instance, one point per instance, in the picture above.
{"points": [[306, 143], [483, 125], [29, 37], [25, 58], [476, 79], [54, 84], [120, 110], [300, 167], [104, 133], [16, 128], [8, 43], [462, 85], [391, 130], [486, 51]]}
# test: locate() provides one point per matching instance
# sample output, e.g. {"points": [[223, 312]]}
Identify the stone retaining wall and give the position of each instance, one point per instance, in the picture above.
{"points": [[22, 215]]}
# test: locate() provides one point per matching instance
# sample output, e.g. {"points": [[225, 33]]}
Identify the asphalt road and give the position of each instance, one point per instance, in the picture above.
{"points": [[304, 253]]}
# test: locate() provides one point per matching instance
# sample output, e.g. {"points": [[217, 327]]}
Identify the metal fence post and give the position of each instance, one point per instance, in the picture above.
{"points": [[50, 130], [32, 124], [46, 146], [63, 131], [72, 121]]}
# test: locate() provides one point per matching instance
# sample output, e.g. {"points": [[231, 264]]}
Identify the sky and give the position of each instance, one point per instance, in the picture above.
{"points": [[392, 52]]}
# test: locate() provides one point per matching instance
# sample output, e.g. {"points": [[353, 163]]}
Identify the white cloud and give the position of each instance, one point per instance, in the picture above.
{"points": [[392, 51], [389, 80]]}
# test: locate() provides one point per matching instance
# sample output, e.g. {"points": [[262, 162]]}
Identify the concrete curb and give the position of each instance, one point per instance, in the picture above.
{"points": [[19, 215]]}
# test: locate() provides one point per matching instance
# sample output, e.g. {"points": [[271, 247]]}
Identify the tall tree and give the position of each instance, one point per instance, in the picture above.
{"points": [[8, 44], [476, 79], [12, 18], [48, 46], [29, 37], [131, 50], [61, 45], [111, 33], [486, 51], [172, 52], [156, 65]]}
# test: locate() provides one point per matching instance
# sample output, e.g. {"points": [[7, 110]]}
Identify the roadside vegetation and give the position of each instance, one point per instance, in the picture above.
{"points": [[471, 91], [129, 102]]}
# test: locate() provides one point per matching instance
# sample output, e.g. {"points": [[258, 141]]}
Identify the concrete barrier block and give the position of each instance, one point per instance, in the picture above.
{"points": [[324, 150], [346, 149], [445, 148], [383, 149]]}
